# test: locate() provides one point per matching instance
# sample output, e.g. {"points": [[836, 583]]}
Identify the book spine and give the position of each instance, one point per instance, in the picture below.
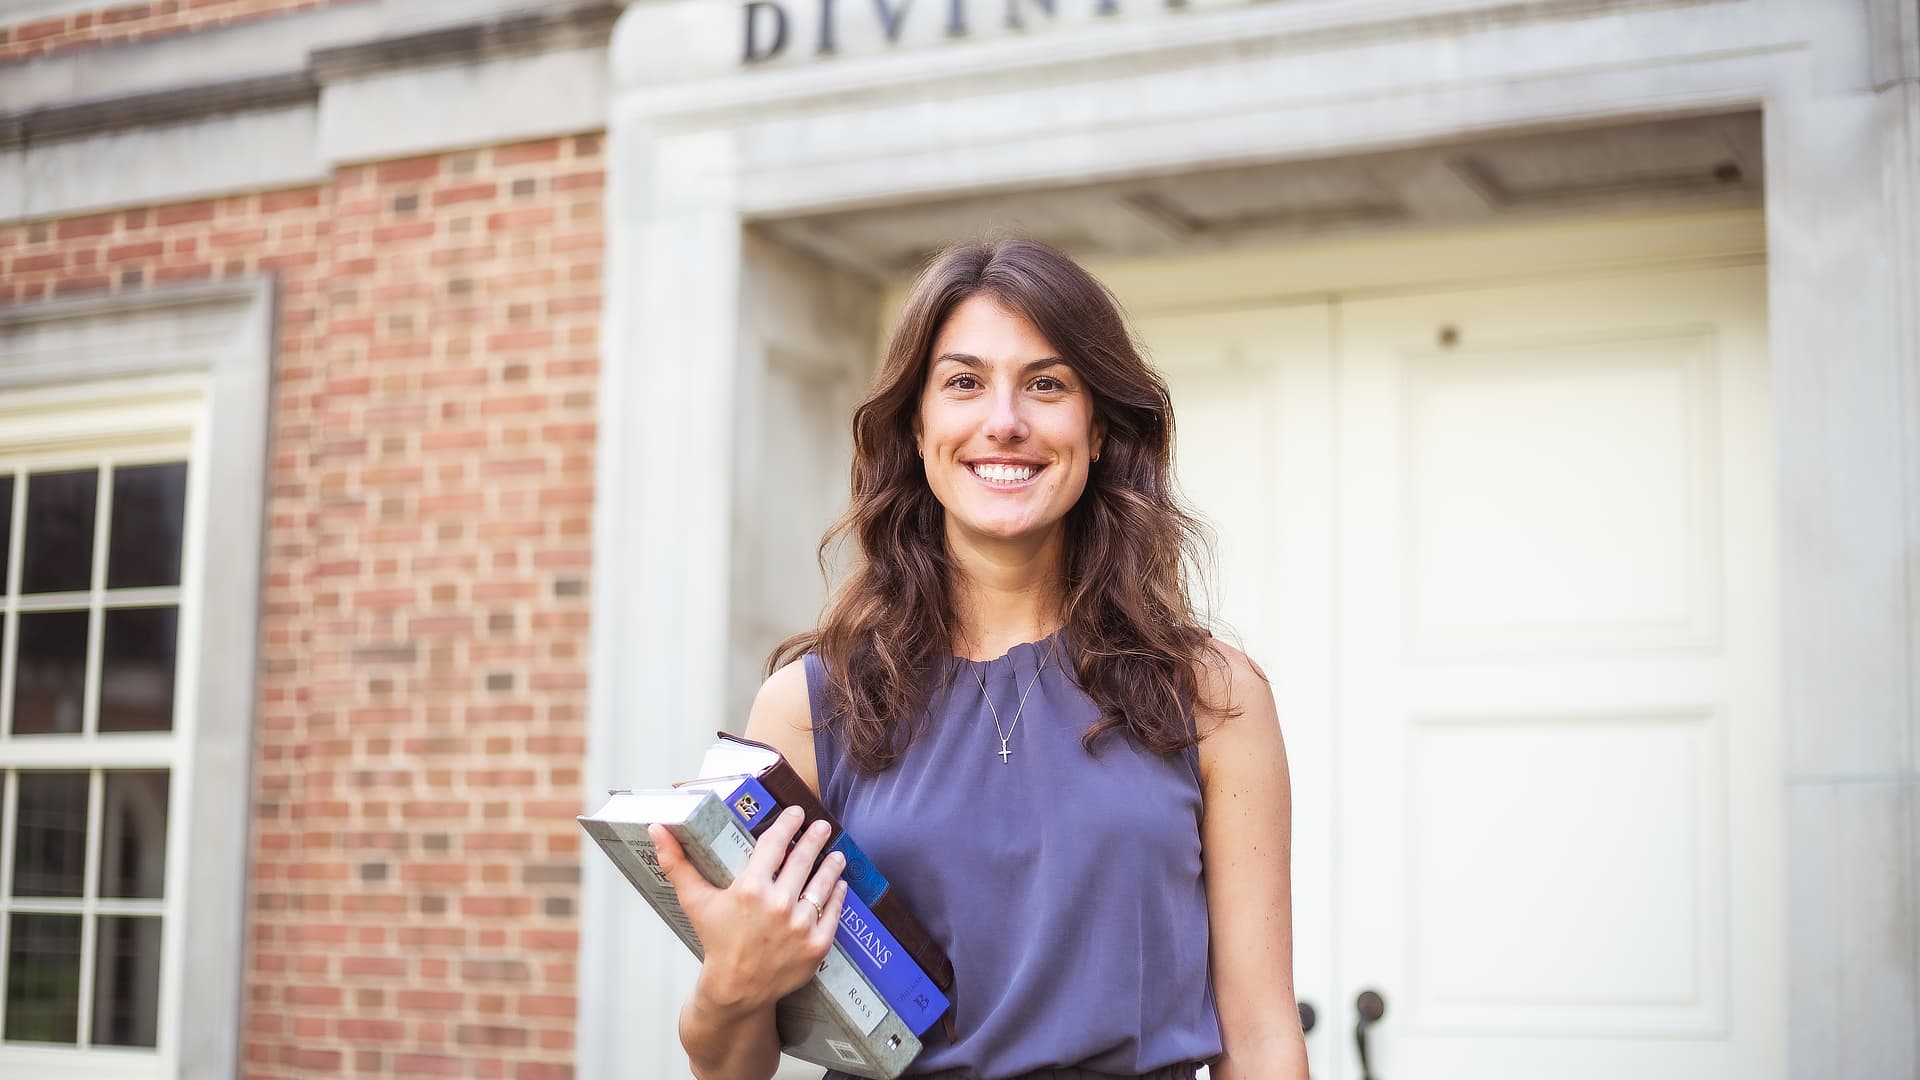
{"points": [[785, 786], [893, 973], [875, 950]]}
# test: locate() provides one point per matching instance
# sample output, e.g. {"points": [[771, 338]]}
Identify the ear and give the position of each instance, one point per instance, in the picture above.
{"points": [[1099, 435]]}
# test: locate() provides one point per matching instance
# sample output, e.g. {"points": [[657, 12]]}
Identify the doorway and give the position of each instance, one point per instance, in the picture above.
{"points": [[1505, 550]]}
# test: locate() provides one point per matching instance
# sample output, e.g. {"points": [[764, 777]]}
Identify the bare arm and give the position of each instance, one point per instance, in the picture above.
{"points": [[1246, 848], [761, 935]]}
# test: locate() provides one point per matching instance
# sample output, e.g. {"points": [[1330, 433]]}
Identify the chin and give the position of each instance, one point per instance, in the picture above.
{"points": [[1007, 530]]}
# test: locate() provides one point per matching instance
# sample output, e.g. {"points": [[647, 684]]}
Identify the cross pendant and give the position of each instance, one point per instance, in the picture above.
{"points": [[1004, 752]]}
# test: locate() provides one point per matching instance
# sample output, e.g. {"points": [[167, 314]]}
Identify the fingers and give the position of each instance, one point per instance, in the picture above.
{"points": [[687, 882], [793, 872], [824, 880], [821, 936], [771, 847]]}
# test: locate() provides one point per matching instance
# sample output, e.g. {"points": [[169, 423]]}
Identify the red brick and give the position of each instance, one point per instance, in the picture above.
{"points": [[145, 249], [491, 1035], [511, 971], [373, 965], [527, 153], [184, 272], [427, 1065], [319, 1060], [404, 231], [273, 202], [78, 228], [372, 1029], [530, 217], [465, 193], [238, 237], [29, 264], [562, 1005], [290, 260], [183, 214], [314, 995], [89, 283], [566, 940], [420, 168], [589, 178], [44, 28]]}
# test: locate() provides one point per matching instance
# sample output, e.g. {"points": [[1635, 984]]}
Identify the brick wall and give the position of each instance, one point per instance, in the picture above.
{"points": [[422, 711], [128, 22]]}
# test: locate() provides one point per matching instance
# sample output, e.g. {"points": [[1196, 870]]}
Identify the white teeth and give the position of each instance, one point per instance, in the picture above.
{"points": [[1012, 474]]}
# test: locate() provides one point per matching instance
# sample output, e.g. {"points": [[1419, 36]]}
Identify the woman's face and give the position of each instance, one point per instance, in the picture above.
{"points": [[1006, 427]]}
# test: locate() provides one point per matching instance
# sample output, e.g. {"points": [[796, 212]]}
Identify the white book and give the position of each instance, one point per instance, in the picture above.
{"points": [[837, 1019]]}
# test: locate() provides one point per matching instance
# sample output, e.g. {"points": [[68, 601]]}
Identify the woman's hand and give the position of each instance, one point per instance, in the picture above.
{"points": [[765, 934]]}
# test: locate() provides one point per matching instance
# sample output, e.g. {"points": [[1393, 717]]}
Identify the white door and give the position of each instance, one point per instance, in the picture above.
{"points": [[1507, 555]]}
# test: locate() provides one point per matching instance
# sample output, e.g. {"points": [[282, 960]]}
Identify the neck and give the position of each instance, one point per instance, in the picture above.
{"points": [[1008, 592]]}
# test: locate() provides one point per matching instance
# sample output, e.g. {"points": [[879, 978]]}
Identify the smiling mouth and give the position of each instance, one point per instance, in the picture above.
{"points": [[1008, 475]]}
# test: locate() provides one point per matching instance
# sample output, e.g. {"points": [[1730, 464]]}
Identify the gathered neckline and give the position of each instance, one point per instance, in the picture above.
{"points": [[1010, 649]]}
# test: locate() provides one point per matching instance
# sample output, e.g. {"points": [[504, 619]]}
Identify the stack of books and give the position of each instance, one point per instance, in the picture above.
{"points": [[883, 983]]}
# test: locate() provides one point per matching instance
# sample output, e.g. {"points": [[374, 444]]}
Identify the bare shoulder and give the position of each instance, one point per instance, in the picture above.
{"points": [[1241, 725], [782, 717], [1231, 683]]}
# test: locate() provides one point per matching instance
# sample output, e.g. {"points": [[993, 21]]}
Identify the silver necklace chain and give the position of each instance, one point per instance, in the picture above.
{"points": [[1008, 732]]}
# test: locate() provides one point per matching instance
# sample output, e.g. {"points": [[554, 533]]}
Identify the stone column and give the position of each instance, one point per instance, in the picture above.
{"points": [[1842, 173], [662, 534]]}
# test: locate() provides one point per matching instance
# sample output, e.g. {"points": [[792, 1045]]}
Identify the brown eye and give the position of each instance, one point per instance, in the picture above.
{"points": [[964, 382], [1047, 384]]}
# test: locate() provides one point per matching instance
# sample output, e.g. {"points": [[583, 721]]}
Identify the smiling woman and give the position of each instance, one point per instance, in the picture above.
{"points": [[1079, 792]]}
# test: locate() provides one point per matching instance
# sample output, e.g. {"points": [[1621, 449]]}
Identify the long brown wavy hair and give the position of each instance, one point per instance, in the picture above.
{"points": [[1134, 641]]}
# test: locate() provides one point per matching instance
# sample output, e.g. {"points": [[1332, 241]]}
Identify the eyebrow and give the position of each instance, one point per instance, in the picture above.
{"points": [[972, 361]]}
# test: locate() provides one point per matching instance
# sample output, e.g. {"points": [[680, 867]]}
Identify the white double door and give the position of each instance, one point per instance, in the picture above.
{"points": [[1506, 555]]}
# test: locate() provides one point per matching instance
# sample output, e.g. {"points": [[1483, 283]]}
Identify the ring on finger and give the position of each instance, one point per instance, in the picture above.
{"points": [[819, 912]]}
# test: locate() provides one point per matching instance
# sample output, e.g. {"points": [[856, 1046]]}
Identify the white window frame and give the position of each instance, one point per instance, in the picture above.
{"points": [[177, 375]]}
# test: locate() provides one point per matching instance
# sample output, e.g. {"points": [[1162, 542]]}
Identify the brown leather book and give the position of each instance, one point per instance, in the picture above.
{"points": [[787, 789]]}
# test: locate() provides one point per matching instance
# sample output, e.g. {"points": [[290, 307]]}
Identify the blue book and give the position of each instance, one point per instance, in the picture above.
{"points": [[874, 949]]}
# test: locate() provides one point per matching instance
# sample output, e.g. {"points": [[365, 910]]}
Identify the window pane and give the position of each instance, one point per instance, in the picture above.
{"points": [[136, 669], [126, 981], [143, 542], [59, 531], [50, 834], [43, 978], [49, 680], [133, 837]]}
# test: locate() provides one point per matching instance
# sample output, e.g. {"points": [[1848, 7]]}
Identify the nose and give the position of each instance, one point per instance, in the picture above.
{"points": [[1005, 422]]}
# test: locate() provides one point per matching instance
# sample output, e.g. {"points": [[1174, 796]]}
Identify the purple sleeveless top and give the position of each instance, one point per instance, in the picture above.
{"points": [[1065, 888]]}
